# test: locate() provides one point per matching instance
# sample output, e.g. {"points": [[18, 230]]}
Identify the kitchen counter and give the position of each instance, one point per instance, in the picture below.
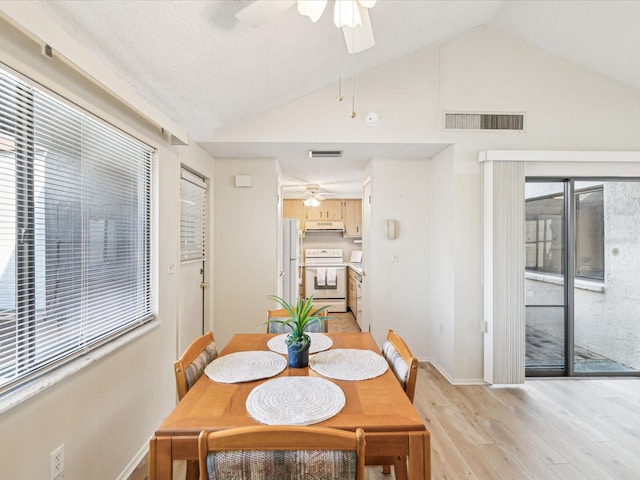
{"points": [[356, 267]]}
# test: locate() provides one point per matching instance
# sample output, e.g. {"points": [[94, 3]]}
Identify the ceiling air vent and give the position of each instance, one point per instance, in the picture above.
{"points": [[325, 153], [484, 121]]}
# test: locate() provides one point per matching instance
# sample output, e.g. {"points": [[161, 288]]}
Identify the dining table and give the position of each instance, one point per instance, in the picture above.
{"points": [[378, 405]]}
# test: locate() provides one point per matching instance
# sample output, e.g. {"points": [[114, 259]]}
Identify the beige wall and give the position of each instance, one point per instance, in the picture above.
{"points": [[245, 239], [105, 413]]}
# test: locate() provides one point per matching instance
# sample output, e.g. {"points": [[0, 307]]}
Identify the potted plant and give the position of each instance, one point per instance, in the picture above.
{"points": [[301, 317]]}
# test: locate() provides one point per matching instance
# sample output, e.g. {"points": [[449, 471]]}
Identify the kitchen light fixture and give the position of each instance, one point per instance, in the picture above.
{"points": [[313, 199]]}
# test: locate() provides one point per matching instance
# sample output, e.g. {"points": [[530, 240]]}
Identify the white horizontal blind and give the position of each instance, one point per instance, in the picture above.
{"points": [[75, 266], [193, 194]]}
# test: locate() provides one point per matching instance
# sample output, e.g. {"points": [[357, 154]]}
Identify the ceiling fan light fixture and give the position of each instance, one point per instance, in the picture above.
{"points": [[312, 8], [311, 202], [347, 14]]}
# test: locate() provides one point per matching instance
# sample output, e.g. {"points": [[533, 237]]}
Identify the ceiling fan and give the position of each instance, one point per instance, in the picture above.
{"points": [[352, 16], [312, 198]]}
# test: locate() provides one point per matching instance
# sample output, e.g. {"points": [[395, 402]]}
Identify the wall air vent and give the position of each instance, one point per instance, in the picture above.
{"points": [[325, 153], [484, 121]]}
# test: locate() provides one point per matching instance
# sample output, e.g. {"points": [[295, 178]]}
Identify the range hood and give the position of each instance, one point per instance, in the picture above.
{"points": [[324, 226]]}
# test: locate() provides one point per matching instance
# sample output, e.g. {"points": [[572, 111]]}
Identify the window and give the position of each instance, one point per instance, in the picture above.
{"points": [[543, 234], [590, 234], [193, 195], [75, 259]]}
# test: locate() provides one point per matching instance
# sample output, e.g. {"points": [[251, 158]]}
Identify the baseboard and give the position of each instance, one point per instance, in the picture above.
{"points": [[135, 461], [458, 381]]}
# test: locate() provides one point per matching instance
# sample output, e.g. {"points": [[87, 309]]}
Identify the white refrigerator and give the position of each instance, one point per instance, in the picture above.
{"points": [[291, 248]]}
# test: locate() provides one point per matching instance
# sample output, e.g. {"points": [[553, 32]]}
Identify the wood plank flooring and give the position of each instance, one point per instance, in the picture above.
{"points": [[546, 429]]}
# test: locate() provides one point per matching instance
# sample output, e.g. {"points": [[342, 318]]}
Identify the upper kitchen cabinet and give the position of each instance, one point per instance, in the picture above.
{"points": [[352, 217], [327, 210], [294, 208], [349, 211]]}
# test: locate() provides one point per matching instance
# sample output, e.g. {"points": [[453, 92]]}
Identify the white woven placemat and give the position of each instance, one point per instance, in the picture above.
{"points": [[319, 342], [349, 364], [245, 366], [295, 401]]}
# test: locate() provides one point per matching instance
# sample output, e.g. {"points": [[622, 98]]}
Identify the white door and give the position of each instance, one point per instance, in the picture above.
{"points": [[193, 195]]}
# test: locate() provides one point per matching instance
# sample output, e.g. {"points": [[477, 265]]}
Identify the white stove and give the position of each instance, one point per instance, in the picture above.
{"points": [[324, 256], [326, 278]]}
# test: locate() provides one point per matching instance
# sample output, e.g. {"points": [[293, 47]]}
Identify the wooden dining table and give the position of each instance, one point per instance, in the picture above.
{"points": [[378, 405]]}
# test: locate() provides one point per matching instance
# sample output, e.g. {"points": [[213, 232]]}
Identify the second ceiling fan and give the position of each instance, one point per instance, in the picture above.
{"points": [[352, 16]]}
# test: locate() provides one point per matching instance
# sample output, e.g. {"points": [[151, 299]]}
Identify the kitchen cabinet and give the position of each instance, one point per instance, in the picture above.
{"points": [[302, 294], [354, 295], [349, 211], [294, 208], [327, 210], [352, 217]]}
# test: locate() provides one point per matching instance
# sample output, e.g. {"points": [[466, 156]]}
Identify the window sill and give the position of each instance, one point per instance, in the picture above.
{"points": [[16, 397], [591, 285]]}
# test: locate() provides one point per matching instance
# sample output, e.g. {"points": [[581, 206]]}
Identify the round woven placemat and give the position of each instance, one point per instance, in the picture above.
{"points": [[295, 401], [348, 364], [245, 366], [319, 342]]}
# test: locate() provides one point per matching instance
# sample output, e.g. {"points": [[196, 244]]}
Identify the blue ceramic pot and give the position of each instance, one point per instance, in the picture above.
{"points": [[298, 357]]}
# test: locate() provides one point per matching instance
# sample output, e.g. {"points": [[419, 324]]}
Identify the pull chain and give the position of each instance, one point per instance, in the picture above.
{"points": [[340, 97]]}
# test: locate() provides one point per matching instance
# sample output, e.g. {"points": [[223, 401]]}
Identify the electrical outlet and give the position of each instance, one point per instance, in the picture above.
{"points": [[56, 462]]}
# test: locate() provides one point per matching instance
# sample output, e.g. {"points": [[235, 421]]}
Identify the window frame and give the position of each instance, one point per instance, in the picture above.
{"points": [[23, 387]]}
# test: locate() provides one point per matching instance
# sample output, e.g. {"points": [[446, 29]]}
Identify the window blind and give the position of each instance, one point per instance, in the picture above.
{"points": [[193, 194], [75, 200]]}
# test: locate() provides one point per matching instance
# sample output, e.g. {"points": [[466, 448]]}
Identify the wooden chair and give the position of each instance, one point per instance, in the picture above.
{"points": [[188, 369], [405, 367], [282, 452], [317, 327]]}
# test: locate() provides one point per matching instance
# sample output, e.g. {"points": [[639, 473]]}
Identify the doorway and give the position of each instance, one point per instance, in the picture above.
{"points": [[582, 277], [193, 207]]}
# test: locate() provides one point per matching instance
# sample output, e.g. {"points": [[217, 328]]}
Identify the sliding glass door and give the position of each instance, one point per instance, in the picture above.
{"points": [[582, 277], [545, 293]]}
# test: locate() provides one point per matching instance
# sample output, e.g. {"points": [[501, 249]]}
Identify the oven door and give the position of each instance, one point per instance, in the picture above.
{"points": [[320, 285]]}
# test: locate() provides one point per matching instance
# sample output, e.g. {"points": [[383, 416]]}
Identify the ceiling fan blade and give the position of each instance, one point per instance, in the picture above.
{"points": [[361, 37], [260, 12]]}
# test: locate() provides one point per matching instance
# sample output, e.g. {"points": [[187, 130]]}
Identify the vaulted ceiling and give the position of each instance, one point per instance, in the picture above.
{"points": [[203, 68]]}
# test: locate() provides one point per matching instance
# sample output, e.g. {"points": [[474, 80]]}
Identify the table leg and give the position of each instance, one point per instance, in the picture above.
{"points": [[160, 459], [419, 456]]}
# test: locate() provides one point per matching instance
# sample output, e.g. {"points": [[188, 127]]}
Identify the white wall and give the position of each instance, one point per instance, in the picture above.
{"points": [[105, 413], [245, 264], [567, 108], [401, 288], [442, 307]]}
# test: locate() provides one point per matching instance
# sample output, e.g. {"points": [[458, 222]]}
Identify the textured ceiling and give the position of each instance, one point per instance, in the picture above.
{"points": [[195, 62]]}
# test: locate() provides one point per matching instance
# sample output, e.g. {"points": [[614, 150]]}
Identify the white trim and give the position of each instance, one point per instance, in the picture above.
{"points": [[30, 20], [14, 398], [591, 285], [448, 378], [556, 156], [135, 461]]}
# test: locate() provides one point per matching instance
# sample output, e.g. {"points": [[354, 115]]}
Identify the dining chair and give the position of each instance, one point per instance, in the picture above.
{"points": [[282, 452], [317, 327], [191, 364], [188, 369], [405, 367]]}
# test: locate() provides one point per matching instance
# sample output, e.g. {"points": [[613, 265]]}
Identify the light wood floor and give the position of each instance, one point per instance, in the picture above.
{"points": [[568, 429]]}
